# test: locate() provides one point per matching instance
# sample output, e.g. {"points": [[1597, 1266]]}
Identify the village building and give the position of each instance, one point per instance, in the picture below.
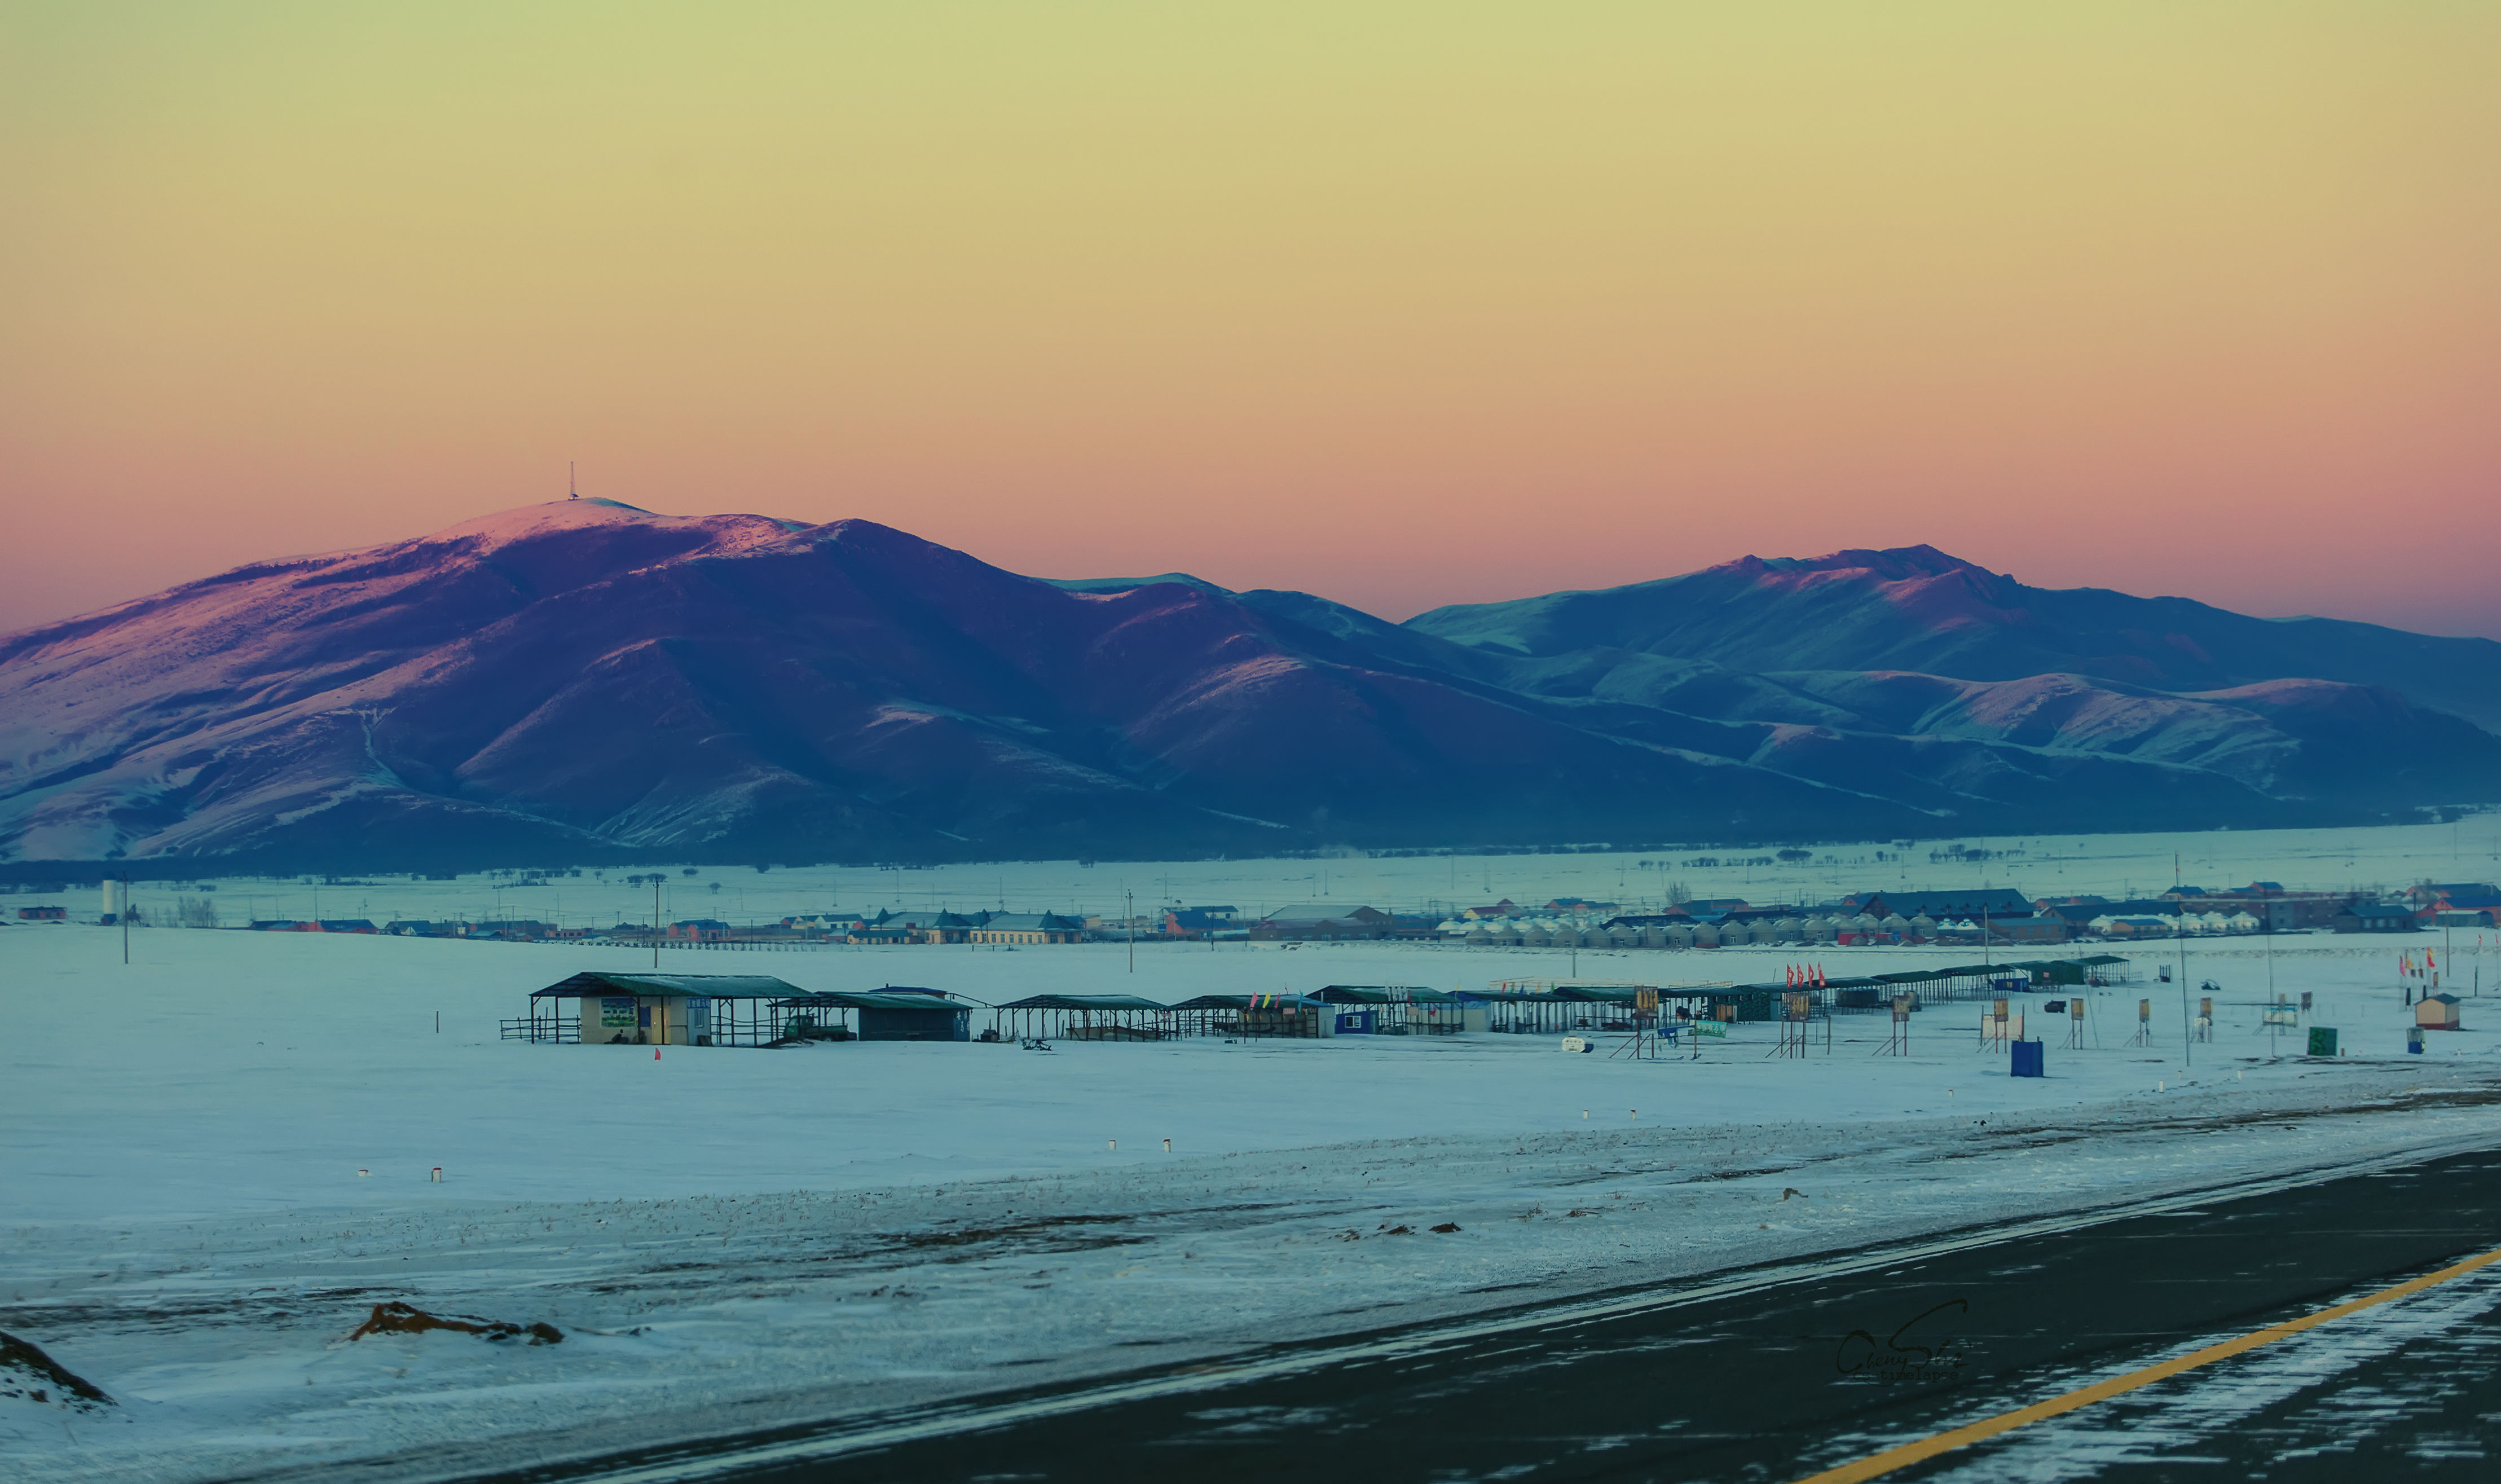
{"points": [[2455, 904], [2374, 917], [1325, 921], [1027, 928], [1198, 922], [2040, 928], [1937, 906]]}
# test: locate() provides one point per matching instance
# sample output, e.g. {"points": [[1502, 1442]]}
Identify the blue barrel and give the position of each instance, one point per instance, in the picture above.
{"points": [[2027, 1059]]}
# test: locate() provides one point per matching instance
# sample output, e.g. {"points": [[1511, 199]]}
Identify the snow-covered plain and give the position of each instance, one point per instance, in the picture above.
{"points": [[2118, 866], [730, 1238]]}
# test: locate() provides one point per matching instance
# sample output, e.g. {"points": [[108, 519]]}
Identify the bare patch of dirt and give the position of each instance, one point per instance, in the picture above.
{"points": [[407, 1319]]}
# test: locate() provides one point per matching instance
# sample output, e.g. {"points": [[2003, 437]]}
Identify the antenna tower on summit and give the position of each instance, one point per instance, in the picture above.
{"points": [[572, 491]]}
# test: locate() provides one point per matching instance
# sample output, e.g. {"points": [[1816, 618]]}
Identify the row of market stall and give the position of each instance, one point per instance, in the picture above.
{"points": [[698, 1009]]}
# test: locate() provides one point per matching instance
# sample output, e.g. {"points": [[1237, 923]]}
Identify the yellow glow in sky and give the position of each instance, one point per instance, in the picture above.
{"points": [[1402, 304]]}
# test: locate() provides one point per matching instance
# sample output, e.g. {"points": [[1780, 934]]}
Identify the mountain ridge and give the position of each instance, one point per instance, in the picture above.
{"points": [[1921, 609], [584, 679]]}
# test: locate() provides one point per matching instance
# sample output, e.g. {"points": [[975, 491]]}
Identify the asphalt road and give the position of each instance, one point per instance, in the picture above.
{"points": [[1783, 1381]]}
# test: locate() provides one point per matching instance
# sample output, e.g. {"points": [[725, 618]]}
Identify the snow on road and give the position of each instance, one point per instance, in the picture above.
{"points": [[733, 1237]]}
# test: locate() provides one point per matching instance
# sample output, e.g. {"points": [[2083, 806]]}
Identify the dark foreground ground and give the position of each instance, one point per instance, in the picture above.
{"points": [[1787, 1375]]}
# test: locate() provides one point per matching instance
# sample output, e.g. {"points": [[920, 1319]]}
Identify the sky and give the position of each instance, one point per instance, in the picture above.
{"points": [[1402, 304]]}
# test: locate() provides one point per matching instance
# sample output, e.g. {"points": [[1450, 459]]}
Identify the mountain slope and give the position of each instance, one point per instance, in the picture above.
{"points": [[1917, 609], [584, 676], [586, 681]]}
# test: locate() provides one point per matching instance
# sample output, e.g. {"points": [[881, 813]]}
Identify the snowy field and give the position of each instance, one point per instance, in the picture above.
{"points": [[2119, 866], [728, 1238]]}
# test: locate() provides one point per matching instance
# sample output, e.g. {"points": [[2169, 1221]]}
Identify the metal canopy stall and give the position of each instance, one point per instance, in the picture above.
{"points": [[1541, 1006], [1538, 1006], [1601, 1006], [893, 1013], [1857, 992], [2105, 969], [1974, 982], [1082, 1018], [674, 1010], [1967, 981], [1294, 1016], [1394, 1009], [1519, 1011]]}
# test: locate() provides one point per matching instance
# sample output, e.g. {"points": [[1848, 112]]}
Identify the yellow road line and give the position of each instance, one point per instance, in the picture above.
{"points": [[1876, 1464]]}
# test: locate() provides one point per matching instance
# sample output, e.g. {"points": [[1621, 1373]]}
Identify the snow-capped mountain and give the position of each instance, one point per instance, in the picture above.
{"points": [[1917, 609], [586, 681]]}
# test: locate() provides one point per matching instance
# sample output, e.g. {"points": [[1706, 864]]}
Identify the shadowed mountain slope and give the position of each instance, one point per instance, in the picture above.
{"points": [[585, 680], [584, 676], [1917, 609]]}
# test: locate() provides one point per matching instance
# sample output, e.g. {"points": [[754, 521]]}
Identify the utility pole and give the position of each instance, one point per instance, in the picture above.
{"points": [[2187, 1036], [655, 922], [2270, 952], [1129, 900], [123, 917]]}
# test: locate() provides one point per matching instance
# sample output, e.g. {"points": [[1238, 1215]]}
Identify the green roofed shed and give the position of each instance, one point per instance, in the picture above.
{"points": [[1083, 1002], [1382, 994], [716, 986], [1284, 1015], [1080, 1018], [655, 1010], [892, 1014]]}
